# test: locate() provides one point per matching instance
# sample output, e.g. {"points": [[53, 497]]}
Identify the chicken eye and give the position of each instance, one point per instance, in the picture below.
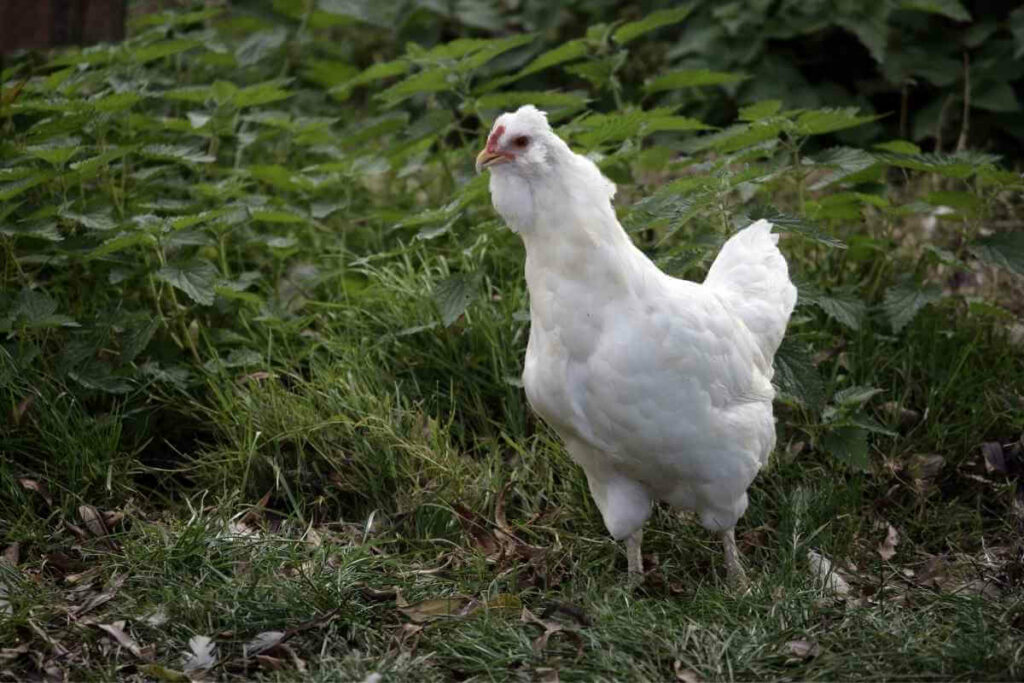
{"points": [[521, 141]]}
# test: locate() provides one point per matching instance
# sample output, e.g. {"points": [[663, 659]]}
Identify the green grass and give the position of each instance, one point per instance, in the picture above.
{"points": [[282, 353]]}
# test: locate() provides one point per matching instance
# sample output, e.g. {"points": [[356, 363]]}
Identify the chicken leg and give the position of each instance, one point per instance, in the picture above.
{"points": [[733, 567], [633, 558]]}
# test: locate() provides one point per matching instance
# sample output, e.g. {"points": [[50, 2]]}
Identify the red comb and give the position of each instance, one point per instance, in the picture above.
{"points": [[496, 134]]}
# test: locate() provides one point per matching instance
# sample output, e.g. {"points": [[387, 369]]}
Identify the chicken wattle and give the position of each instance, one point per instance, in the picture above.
{"points": [[660, 387]]}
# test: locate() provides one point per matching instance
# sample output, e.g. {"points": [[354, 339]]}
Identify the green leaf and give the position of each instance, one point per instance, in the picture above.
{"points": [[11, 190], [760, 110], [855, 396], [1004, 249], [433, 80], [796, 225], [196, 278], [137, 338], [98, 375], [653, 21], [123, 241], [165, 48], [259, 45], [56, 152], [618, 126], [849, 445], [820, 121], [963, 202], [453, 295], [276, 216], [180, 153], [903, 301], [961, 165], [846, 310], [513, 99], [691, 78], [376, 72], [995, 96], [947, 8], [261, 93], [92, 221], [1017, 29], [740, 136], [566, 52], [898, 147], [796, 376], [327, 73], [491, 49]]}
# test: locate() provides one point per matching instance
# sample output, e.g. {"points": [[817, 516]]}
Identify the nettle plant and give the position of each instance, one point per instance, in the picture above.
{"points": [[172, 206]]}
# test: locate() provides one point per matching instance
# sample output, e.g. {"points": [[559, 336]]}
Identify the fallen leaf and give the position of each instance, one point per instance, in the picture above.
{"points": [[13, 652], [550, 628], [18, 411], [200, 656], [994, 459], [440, 608], [499, 509], [546, 674], [803, 649], [162, 673], [824, 570], [268, 662], [158, 617], [116, 631], [253, 516], [683, 674], [263, 642], [33, 485], [888, 547], [904, 416], [12, 554], [94, 521], [925, 466]]}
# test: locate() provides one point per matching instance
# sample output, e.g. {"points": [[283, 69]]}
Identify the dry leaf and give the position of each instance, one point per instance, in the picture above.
{"points": [[824, 570], [162, 673], [546, 674], [550, 628], [803, 649], [905, 416], [499, 509], [440, 608], [116, 631], [33, 485], [12, 554], [18, 411], [201, 657], [888, 547], [925, 466], [994, 458], [263, 642], [92, 603], [157, 617], [94, 521], [683, 674], [13, 652], [268, 662]]}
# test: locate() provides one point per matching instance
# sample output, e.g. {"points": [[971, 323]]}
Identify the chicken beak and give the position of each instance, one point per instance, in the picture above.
{"points": [[487, 158]]}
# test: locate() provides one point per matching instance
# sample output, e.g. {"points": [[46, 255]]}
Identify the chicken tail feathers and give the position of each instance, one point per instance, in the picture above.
{"points": [[751, 276]]}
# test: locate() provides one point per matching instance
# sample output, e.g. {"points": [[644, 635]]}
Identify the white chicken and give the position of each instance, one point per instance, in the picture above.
{"points": [[660, 387]]}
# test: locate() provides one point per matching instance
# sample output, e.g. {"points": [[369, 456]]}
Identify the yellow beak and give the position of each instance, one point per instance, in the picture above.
{"points": [[487, 158]]}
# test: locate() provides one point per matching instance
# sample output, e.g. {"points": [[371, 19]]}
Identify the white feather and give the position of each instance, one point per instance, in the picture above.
{"points": [[661, 388]]}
